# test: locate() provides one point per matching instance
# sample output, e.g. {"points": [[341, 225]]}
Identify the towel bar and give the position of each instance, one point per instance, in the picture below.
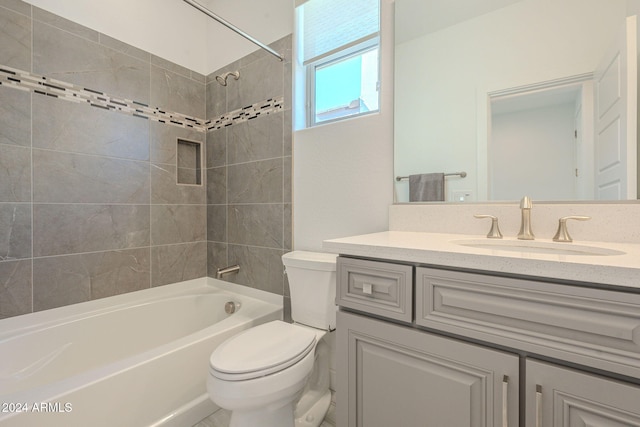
{"points": [[460, 174]]}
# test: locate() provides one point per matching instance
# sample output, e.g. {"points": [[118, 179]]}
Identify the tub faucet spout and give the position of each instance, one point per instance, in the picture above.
{"points": [[525, 226], [224, 271]]}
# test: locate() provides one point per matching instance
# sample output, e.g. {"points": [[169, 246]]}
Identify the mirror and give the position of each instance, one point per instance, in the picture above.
{"points": [[514, 97]]}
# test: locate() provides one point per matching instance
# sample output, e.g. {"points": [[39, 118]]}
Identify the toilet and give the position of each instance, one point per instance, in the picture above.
{"points": [[277, 374]]}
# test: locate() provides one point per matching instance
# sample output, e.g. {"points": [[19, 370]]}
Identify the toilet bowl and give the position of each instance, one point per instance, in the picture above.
{"points": [[277, 374]]}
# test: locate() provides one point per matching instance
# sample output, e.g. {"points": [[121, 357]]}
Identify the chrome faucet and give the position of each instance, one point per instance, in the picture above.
{"points": [[224, 271], [525, 226]]}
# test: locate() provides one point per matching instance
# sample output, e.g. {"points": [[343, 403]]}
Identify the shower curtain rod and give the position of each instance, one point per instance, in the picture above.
{"points": [[233, 28]]}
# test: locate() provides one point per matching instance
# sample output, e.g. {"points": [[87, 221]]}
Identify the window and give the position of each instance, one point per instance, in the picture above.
{"points": [[338, 50]]}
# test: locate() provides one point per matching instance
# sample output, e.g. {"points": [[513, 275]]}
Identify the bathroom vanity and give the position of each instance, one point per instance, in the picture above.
{"points": [[443, 330]]}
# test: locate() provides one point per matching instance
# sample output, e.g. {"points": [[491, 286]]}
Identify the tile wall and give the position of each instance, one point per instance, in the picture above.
{"points": [[249, 172], [89, 201]]}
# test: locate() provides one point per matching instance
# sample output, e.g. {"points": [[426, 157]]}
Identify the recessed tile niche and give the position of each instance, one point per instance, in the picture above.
{"points": [[189, 162]]}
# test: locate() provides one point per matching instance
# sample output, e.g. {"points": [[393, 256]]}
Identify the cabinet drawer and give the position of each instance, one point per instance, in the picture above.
{"points": [[592, 327], [379, 288]]}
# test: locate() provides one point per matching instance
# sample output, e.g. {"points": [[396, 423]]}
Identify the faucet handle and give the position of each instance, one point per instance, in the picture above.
{"points": [[494, 233], [562, 235]]}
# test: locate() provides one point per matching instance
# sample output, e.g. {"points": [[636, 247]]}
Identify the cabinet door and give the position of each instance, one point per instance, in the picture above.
{"points": [[558, 396], [392, 375]]}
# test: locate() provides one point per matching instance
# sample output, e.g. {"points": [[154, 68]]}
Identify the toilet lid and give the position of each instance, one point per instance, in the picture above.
{"points": [[260, 351]]}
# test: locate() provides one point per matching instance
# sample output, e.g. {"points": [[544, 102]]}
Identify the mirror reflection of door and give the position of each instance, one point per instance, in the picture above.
{"points": [[533, 146], [616, 117], [567, 139]]}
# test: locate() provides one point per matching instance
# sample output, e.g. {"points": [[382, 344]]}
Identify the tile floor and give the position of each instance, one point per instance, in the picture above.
{"points": [[221, 418]]}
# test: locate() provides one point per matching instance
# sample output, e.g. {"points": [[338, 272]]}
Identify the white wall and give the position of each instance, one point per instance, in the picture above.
{"points": [[342, 172], [173, 30]]}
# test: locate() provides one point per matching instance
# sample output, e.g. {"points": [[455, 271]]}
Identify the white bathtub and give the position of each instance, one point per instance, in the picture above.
{"points": [[138, 359]]}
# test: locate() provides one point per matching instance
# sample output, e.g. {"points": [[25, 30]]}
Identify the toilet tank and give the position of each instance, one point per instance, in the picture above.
{"points": [[312, 285]]}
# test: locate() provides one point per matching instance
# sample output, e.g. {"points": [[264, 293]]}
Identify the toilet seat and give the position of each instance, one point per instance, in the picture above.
{"points": [[260, 351]]}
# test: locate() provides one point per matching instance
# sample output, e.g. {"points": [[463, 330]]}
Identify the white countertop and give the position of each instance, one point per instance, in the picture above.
{"points": [[442, 249]]}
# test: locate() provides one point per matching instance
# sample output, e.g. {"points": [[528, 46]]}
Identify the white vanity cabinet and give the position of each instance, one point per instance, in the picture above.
{"points": [[485, 350]]}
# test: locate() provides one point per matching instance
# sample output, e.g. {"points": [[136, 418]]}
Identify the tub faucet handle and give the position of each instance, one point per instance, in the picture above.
{"points": [[494, 232], [562, 235]]}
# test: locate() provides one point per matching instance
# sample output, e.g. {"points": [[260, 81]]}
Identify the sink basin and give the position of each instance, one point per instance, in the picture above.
{"points": [[537, 247]]}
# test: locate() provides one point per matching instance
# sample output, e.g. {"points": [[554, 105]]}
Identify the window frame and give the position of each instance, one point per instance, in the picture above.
{"points": [[343, 54]]}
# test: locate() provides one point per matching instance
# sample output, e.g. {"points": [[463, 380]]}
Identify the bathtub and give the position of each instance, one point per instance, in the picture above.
{"points": [[137, 359]]}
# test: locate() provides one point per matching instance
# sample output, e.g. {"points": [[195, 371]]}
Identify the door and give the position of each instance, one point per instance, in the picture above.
{"points": [[392, 375], [557, 396], [616, 108]]}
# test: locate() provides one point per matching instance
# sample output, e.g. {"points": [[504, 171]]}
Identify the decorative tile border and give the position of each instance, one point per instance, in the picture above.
{"points": [[23, 80], [272, 105]]}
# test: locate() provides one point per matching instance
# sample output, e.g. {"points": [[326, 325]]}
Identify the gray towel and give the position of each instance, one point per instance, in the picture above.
{"points": [[426, 187]]}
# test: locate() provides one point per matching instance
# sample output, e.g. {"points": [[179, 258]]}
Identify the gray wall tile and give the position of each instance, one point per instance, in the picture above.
{"points": [[124, 47], [175, 92], [174, 263], [80, 128], [217, 186], [288, 133], [287, 179], [15, 288], [166, 190], [288, 86], [73, 228], [15, 231], [15, 116], [189, 176], [15, 174], [259, 80], [178, 224], [15, 39], [70, 58], [216, 258], [217, 223], [65, 24], [17, 6], [249, 173], [188, 157], [257, 139], [164, 141], [260, 268], [69, 279], [256, 225], [78, 178], [216, 148], [216, 97], [170, 66], [287, 239], [255, 182]]}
